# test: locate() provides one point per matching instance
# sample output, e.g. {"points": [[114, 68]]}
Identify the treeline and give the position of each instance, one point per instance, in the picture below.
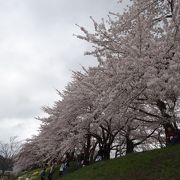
{"points": [[125, 103]]}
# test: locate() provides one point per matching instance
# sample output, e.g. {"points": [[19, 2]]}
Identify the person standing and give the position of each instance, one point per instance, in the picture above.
{"points": [[61, 169], [43, 174], [51, 172]]}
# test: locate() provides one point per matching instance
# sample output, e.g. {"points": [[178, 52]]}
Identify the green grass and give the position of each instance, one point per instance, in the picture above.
{"points": [[161, 164]]}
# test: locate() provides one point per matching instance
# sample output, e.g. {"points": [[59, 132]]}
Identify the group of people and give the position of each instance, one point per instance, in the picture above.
{"points": [[49, 174]]}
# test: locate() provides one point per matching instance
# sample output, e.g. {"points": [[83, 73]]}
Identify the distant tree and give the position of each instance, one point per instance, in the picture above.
{"points": [[8, 153]]}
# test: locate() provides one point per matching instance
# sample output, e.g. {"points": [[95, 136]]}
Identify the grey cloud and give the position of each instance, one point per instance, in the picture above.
{"points": [[14, 127]]}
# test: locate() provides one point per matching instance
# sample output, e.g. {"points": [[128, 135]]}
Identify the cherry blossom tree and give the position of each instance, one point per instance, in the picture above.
{"points": [[141, 49], [124, 103]]}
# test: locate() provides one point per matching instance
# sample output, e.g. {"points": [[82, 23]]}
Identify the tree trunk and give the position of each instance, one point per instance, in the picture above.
{"points": [[87, 150], [106, 152]]}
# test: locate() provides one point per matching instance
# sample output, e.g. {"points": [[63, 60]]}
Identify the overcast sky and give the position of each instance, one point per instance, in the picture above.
{"points": [[37, 53]]}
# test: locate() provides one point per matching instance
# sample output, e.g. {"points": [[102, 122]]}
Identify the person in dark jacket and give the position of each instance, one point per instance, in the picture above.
{"points": [[43, 174], [172, 135]]}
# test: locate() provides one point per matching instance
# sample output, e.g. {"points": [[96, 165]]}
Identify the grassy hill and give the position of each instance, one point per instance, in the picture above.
{"points": [[161, 164]]}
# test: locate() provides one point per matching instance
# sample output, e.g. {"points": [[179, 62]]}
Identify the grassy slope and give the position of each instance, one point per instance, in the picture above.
{"points": [[159, 164]]}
